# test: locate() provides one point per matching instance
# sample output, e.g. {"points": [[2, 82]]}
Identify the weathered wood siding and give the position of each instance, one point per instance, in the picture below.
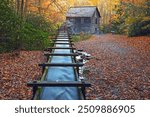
{"points": [[89, 24], [81, 24], [95, 23]]}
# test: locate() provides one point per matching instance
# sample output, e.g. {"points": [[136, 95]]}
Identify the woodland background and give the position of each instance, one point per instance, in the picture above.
{"points": [[27, 24], [119, 68]]}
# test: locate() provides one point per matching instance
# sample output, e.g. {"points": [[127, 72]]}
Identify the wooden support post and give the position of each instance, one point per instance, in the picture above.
{"points": [[83, 89], [74, 59], [34, 89], [43, 69], [78, 70]]}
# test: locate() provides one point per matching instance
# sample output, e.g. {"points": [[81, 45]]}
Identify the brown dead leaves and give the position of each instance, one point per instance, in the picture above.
{"points": [[16, 71], [120, 68]]}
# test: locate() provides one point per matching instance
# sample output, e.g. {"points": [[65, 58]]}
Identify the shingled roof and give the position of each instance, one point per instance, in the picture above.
{"points": [[83, 11]]}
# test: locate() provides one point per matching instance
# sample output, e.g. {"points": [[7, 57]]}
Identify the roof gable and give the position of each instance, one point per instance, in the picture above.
{"points": [[84, 11]]}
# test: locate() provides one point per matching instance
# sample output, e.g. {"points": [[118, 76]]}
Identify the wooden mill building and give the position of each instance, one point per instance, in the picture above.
{"points": [[83, 19]]}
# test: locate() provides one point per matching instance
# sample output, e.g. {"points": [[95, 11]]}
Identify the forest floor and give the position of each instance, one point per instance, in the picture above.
{"points": [[120, 69], [16, 71]]}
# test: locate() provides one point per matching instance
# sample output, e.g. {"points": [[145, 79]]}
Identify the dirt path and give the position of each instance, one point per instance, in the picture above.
{"points": [[120, 68]]}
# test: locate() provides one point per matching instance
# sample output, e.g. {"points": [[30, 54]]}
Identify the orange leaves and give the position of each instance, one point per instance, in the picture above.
{"points": [[120, 68], [16, 72]]}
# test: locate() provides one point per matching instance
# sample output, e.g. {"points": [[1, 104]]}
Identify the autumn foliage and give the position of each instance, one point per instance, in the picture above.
{"points": [[120, 66], [131, 18]]}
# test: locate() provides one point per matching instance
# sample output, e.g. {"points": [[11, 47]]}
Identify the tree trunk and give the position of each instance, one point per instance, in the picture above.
{"points": [[18, 6], [26, 7], [22, 8], [39, 7]]}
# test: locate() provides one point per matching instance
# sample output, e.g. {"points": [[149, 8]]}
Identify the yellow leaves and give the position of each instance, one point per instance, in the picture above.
{"points": [[130, 20], [115, 17], [146, 18], [94, 2]]}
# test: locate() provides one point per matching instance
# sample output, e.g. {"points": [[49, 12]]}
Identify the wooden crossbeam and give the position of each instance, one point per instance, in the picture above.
{"points": [[51, 48], [61, 48], [60, 54], [36, 84], [77, 65], [58, 84], [63, 36], [63, 43], [61, 65], [80, 50], [62, 40]]}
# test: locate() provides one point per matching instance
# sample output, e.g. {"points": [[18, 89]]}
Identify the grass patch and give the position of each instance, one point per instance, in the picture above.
{"points": [[81, 37]]}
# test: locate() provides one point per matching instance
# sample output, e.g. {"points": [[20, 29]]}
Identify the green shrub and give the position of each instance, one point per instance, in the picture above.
{"points": [[39, 22], [10, 23], [33, 39], [139, 27]]}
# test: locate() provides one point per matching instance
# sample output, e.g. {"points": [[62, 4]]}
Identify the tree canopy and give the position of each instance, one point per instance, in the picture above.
{"points": [[25, 23]]}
